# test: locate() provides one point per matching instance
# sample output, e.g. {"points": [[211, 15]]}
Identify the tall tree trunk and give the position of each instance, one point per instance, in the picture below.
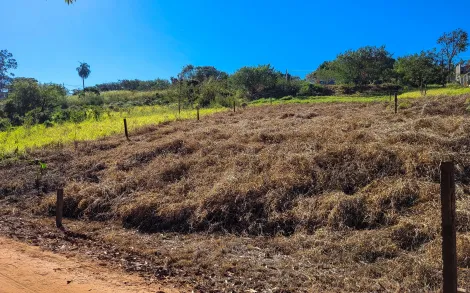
{"points": [[83, 80]]}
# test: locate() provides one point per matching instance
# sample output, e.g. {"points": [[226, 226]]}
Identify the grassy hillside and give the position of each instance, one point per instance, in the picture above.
{"points": [[110, 123], [320, 197], [450, 90], [123, 96]]}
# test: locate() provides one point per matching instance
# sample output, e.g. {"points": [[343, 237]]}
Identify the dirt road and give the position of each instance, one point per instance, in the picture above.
{"points": [[25, 269]]}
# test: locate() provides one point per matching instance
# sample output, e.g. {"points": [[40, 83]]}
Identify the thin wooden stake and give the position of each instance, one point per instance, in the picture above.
{"points": [[59, 208], [449, 247], [125, 129], [234, 106], [197, 111], [396, 103]]}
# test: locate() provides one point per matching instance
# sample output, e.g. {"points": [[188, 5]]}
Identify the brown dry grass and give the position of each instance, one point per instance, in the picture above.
{"points": [[290, 198]]}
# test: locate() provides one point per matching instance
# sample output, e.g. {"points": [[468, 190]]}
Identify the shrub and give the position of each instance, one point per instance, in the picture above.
{"points": [[5, 124]]}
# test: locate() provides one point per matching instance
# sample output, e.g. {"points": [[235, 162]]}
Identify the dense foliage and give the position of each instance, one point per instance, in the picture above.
{"points": [[134, 85], [418, 70], [367, 65]]}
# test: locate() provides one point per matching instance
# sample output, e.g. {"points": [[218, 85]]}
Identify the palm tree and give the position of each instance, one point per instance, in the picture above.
{"points": [[69, 1], [83, 71]]}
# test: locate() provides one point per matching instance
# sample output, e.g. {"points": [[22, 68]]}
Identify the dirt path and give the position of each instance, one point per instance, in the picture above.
{"points": [[25, 268]]}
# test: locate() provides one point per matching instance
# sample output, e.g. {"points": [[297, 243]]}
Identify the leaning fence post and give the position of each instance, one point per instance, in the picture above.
{"points": [[59, 208], [125, 129], [396, 103], [449, 253]]}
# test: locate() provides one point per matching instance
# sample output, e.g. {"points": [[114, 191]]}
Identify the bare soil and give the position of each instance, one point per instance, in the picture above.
{"points": [[26, 268]]}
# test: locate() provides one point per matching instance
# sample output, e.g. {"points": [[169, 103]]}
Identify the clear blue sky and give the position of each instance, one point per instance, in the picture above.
{"points": [[146, 39]]}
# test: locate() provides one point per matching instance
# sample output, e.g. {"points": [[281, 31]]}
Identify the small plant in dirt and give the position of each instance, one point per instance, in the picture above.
{"points": [[40, 172]]}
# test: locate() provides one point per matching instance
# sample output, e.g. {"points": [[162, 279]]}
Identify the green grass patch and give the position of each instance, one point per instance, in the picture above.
{"points": [[447, 91], [39, 135], [450, 90]]}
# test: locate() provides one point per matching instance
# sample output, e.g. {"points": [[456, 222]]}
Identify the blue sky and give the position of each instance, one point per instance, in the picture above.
{"points": [[146, 39]]}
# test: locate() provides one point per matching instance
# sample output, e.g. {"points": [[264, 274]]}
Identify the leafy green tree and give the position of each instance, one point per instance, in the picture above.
{"points": [[37, 101], [83, 71], [326, 73], [418, 70], [7, 63], [366, 65], [452, 44], [204, 73], [255, 80]]}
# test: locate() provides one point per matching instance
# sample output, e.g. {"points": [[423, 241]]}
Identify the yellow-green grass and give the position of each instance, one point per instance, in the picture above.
{"points": [[447, 91], [121, 96], [432, 92], [24, 137]]}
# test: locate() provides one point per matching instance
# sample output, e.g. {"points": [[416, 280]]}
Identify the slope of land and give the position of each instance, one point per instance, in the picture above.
{"points": [[285, 198], [29, 269]]}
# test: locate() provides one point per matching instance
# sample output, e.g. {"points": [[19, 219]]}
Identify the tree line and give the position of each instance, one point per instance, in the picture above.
{"points": [[368, 69], [375, 65]]}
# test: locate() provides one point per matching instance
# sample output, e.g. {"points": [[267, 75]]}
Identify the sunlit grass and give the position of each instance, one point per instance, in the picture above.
{"points": [[432, 92], [110, 123], [447, 91]]}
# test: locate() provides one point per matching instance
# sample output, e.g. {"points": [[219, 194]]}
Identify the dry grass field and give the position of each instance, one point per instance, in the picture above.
{"points": [[284, 198]]}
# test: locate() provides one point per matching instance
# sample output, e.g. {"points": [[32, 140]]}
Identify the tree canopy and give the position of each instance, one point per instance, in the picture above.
{"points": [[255, 80], [33, 102], [452, 44], [418, 70], [7, 63], [366, 65]]}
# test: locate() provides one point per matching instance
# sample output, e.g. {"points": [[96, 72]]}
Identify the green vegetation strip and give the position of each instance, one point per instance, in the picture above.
{"points": [[433, 92], [39, 135]]}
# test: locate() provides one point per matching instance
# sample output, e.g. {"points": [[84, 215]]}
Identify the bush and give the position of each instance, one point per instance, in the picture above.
{"points": [[93, 99], [5, 124], [375, 89], [310, 89]]}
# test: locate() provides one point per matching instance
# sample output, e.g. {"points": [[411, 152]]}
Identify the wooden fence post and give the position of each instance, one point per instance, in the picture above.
{"points": [[197, 112], [449, 253], [396, 103], [125, 129], [234, 106], [59, 208]]}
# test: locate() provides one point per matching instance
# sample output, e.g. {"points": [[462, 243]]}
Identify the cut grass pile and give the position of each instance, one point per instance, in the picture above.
{"points": [[110, 123], [326, 197]]}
